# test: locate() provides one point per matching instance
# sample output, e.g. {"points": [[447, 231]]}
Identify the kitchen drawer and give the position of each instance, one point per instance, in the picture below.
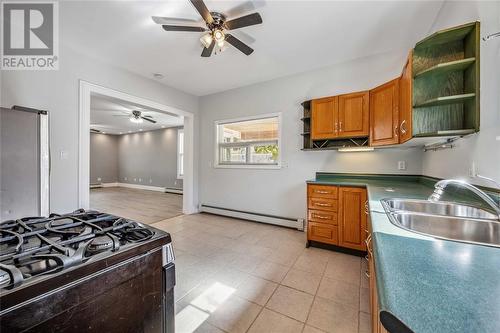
{"points": [[322, 191], [322, 216], [322, 232], [322, 204]]}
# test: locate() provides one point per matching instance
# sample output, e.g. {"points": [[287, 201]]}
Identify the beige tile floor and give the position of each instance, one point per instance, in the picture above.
{"points": [[240, 276], [139, 205]]}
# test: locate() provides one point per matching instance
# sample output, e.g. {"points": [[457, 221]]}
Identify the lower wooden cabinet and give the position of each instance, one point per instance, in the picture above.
{"points": [[336, 215], [352, 218]]}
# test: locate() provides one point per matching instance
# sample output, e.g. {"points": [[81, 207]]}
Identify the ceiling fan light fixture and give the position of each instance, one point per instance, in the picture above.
{"points": [[218, 35], [206, 40], [136, 120]]}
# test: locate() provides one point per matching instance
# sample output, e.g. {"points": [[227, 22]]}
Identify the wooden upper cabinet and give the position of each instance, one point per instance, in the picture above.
{"points": [[324, 112], [406, 101], [384, 114], [354, 115], [352, 217]]}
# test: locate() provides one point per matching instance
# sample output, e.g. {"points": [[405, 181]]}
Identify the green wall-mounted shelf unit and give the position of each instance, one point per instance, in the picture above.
{"points": [[446, 82]]}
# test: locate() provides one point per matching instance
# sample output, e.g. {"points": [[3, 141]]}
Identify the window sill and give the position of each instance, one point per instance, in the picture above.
{"points": [[240, 166]]}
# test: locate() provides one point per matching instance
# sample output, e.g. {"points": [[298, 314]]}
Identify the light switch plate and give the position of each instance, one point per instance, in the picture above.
{"points": [[401, 165]]}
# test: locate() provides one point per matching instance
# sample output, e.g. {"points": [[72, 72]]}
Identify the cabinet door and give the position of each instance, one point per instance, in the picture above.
{"points": [[324, 112], [352, 217], [406, 102], [354, 114], [384, 114]]}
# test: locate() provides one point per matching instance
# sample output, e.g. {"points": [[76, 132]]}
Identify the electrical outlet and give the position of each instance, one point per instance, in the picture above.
{"points": [[401, 165], [99, 179], [175, 182], [140, 180], [135, 179], [63, 155]]}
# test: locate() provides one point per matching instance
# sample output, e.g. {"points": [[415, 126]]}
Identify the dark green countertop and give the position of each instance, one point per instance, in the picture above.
{"points": [[429, 285]]}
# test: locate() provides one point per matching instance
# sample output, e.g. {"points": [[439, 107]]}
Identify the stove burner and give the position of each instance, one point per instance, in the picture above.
{"points": [[100, 244], [138, 234]]}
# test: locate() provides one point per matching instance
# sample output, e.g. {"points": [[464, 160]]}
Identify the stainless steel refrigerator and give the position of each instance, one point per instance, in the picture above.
{"points": [[24, 163]]}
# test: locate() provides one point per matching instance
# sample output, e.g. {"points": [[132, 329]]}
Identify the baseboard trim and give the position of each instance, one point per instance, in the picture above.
{"points": [[142, 187], [109, 184], [173, 190], [251, 216]]}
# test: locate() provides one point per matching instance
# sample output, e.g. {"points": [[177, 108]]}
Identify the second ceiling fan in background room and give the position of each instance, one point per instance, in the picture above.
{"points": [[216, 27]]}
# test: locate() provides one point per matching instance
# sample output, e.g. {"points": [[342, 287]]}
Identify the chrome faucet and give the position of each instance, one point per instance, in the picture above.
{"points": [[442, 184]]}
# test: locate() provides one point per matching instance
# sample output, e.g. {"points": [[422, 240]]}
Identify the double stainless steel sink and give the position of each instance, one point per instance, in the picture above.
{"points": [[445, 220]]}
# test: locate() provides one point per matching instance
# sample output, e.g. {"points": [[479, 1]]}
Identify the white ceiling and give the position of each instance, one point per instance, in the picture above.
{"points": [[111, 116], [296, 36]]}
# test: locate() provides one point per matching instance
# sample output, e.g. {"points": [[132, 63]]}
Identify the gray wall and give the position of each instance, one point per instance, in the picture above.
{"points": [[57, 91], [483, 148], [103, 158], [282, 192], [149, 158]]}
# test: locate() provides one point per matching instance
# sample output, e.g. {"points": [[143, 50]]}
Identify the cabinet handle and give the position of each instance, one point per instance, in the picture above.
{"points": [[316, 216], [367, 274], [366, 207], [322, 204], [401, 127], [396, 130], [321, 192], [336, 127], [340, 126]]}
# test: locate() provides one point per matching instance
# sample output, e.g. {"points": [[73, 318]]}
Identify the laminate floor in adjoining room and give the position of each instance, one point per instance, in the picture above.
{"points": [[139, 205], [240, 276]]}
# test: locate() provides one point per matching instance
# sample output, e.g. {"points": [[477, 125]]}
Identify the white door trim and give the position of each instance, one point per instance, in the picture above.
{"points": [[86, 89]]}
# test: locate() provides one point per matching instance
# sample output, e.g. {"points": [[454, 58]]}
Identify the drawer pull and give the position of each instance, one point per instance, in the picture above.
{"points": [[367, 210], [322, 204], [367, 274], [316, 216], [322, 192]]}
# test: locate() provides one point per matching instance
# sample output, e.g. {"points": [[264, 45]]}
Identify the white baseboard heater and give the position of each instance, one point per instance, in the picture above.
{"points": [[251, 216]]}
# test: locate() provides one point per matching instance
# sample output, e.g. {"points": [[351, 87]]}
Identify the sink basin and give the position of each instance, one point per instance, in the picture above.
{"points": [[445, 220], [478, 231], [442, 208]]}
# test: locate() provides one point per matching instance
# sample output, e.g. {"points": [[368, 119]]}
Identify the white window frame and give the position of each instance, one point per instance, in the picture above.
{"points": [[180, 155], [248, 166]]}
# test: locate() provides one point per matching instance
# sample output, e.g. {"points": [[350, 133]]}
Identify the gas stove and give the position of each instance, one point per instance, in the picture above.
{"points": [[32, 247], [47, 260]]}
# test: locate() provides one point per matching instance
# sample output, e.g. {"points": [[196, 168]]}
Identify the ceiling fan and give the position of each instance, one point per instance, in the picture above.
{"points": [[216, 27], [136, 117]]}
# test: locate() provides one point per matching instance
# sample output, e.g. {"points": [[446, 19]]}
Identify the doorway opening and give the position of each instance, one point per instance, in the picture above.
{"points": [[136, 156]]}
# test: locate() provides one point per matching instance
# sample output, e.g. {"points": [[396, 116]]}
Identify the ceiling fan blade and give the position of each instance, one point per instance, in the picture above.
{"points": [[170, 20], [203, 10], [120, 115], [182, 28], [150, 120], [239, 44], [207, 51], [148, 116], [244, 21], [94, 130]]}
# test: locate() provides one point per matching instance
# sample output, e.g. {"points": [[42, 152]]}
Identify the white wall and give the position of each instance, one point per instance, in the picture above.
{"points": [[282, 192], [484, 147], [57, 91]]}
